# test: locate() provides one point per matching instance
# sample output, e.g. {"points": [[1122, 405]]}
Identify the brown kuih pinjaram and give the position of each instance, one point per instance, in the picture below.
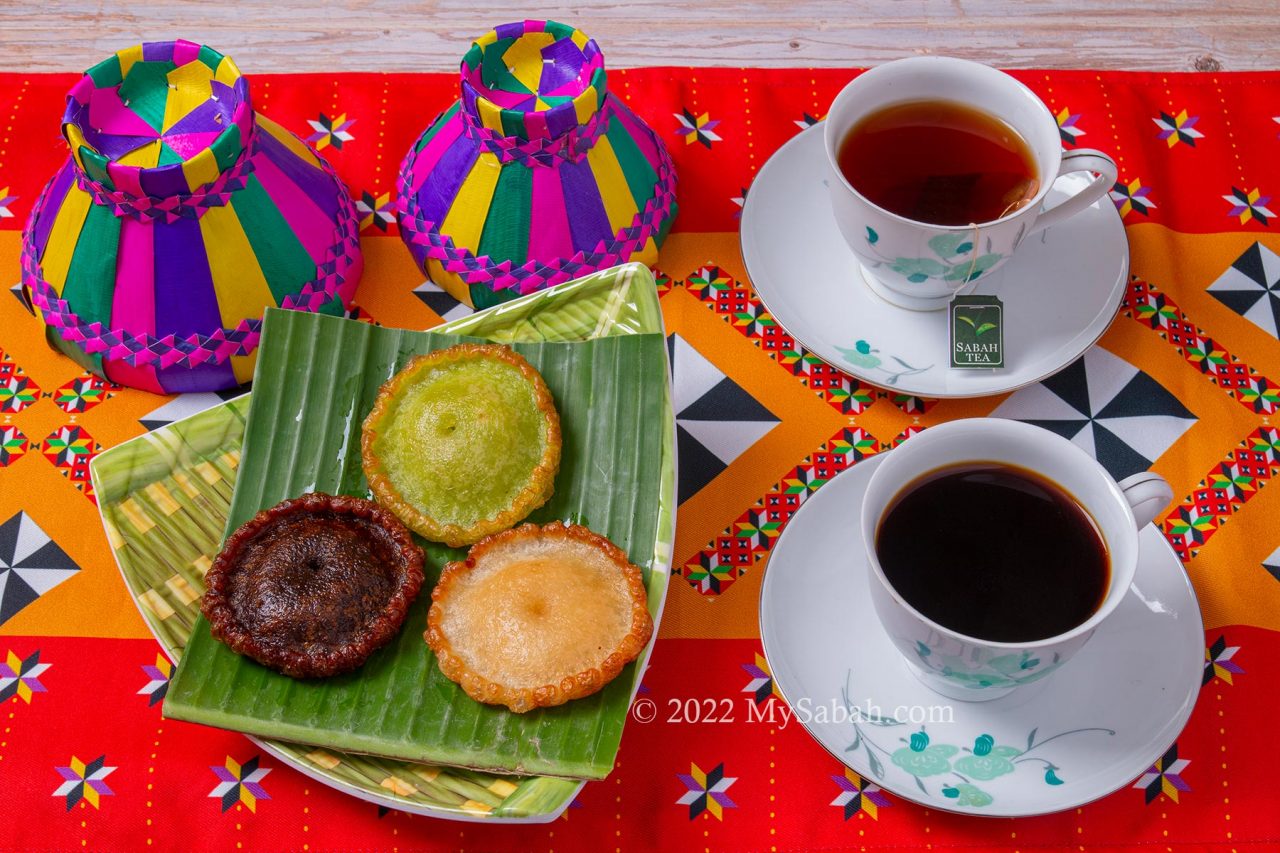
{"points": [[314, 585], [939, 162], [994, 552]]}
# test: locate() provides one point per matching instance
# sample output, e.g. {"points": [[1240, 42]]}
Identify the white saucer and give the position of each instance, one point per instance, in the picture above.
{"points": [[1060, 291], [1089, 729]]}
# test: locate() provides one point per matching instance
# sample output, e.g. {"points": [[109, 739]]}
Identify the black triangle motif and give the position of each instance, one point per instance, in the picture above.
{"points": [[1143, 396], [153, 423], [1250, 263], [48, 556], [1118, 458], [1274, 570], [1072, 385], [9, 540], [1275, 308], [1238, 301], [17, 595], [1066, 429], [726, 401], [21, 295], [685, 363], [698, 466], [438, 301]]}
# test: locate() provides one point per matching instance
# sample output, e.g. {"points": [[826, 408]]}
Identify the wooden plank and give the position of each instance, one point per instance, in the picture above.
{"points": [[393, 35]]}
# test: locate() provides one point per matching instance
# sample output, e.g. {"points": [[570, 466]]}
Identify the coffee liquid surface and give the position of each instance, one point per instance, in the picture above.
{"points": [[994, 552]]}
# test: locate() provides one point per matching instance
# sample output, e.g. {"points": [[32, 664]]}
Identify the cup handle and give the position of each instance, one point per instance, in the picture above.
{"points": [[1147, 494], [1080, 160]]}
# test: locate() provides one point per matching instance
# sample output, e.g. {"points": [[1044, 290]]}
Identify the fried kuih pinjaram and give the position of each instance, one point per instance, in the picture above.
{"points": [[463, 442], [538, 616], [314, 585]]}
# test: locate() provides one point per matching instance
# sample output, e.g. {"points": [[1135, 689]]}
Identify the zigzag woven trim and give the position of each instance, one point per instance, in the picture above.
{"points": [[427, 242], [195, 349], [572, 146], [189, 205]]}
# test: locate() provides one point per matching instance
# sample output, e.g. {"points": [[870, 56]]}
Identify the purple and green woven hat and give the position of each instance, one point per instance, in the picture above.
{"points": [[178, 218], [536, 175]]}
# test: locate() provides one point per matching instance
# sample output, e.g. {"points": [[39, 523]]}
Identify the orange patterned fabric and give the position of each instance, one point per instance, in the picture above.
{"points": [[88, 762]]}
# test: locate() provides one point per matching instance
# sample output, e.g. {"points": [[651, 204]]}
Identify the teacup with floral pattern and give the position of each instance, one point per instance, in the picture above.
{"points": [[965, 667], [919, 265]]}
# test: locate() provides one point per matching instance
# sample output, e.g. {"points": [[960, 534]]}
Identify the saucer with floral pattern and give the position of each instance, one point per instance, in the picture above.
{"points": [[1093, 727], [1060, 291]]}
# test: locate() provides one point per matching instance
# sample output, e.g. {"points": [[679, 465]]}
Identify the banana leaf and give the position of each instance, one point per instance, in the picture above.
{"points": [[316, 380]]}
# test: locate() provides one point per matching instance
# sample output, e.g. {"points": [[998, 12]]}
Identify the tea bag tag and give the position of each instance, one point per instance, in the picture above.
{"points": [[977, 331]]}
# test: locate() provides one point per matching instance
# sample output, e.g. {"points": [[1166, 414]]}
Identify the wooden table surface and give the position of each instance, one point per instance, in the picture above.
{"points": [[402, 35]]}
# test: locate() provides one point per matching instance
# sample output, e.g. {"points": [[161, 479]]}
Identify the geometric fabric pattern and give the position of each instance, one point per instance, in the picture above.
{"points": [[1107, 407], [706, 792], [83, 393], [743, 540], [440, 301], [858, 795], [1156, 309], [715, 419], [159, 675], [31, 564], [1218, 662], [17, 390], [70, 449], [13, 445], [1251, 288], [1272, 564], [735, 302], [1183, 382], [239, 784], [1164, 777], [84, 783], [21, 677], [186, 405]]}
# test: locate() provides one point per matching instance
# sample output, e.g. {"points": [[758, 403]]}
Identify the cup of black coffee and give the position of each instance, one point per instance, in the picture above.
{"points": [[996, 548]]}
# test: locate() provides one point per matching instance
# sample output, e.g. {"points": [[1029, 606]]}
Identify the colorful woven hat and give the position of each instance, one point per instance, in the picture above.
{"points": [[178, 218], [537, 175]]}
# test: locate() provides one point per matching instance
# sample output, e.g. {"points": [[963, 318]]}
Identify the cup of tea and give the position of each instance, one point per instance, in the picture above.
{"points": [[939, 169], [996, 549]]}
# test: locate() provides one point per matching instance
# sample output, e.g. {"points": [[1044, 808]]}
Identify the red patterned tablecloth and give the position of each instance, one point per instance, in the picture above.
{"points": [[1194, 354]]}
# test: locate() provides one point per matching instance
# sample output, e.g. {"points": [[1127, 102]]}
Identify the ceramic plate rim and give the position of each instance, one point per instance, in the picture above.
{"points": [[1179, 719], [1114, 299]]}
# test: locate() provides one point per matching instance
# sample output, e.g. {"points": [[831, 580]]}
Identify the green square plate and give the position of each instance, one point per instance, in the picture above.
{"points": [[166, 496]]}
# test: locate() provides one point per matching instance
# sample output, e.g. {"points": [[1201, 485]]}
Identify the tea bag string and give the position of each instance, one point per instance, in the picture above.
{"points": [[970, 283]]}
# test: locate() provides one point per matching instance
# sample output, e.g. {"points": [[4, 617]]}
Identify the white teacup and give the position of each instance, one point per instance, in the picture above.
{"points": [[963, 667], [921, 266]]}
